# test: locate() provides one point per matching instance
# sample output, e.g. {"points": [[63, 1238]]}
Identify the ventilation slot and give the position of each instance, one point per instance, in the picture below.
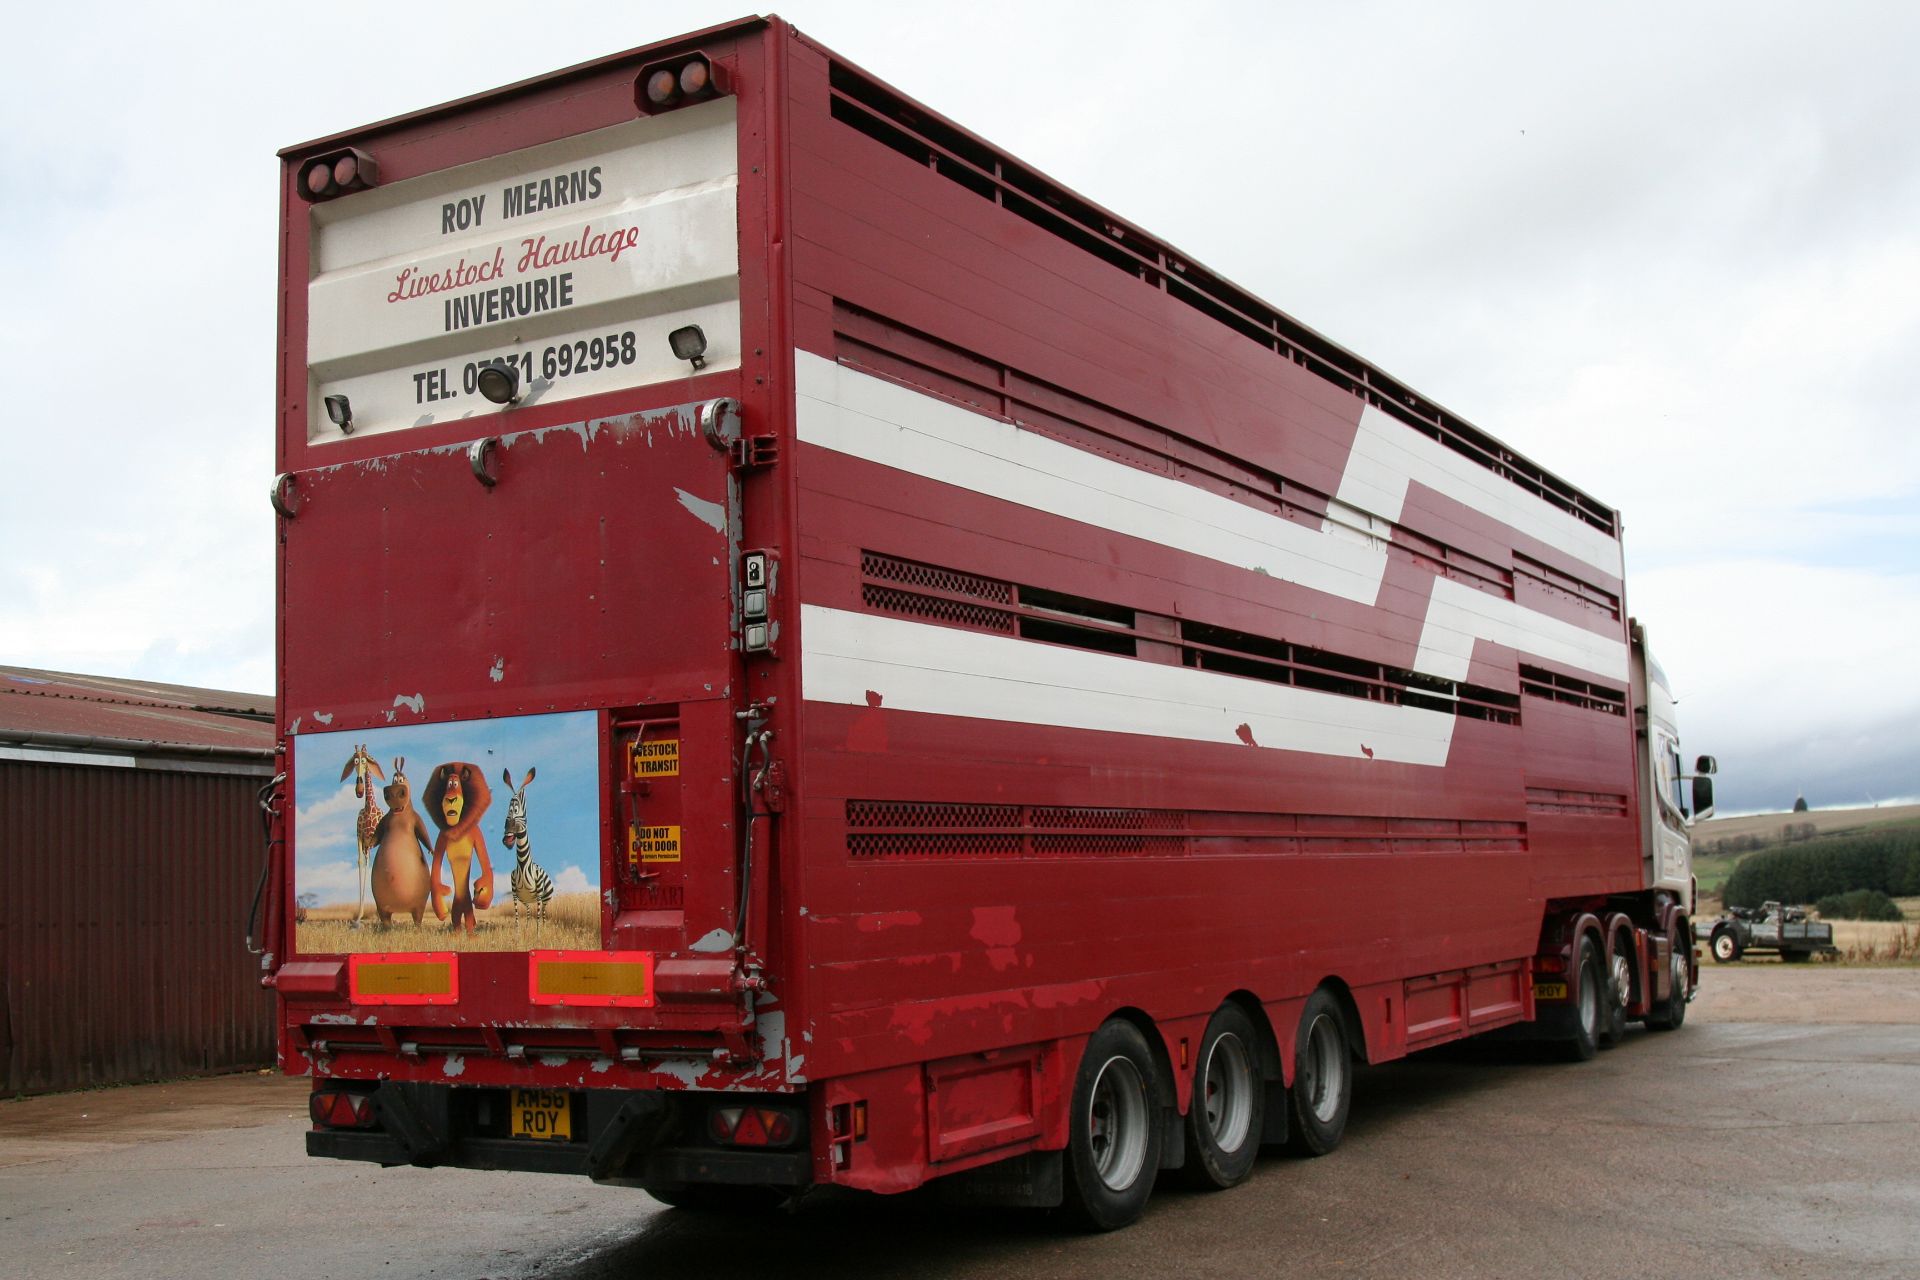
{"points": [[1261, 658], [1575, 692], [933, 144], [1577, 804], [921, 829], [951, 597]]}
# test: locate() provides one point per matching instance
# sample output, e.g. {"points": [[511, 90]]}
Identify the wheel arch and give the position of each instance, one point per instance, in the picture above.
{"points": [[1268, 1046], [1356, 1030], [1164, 1087]]}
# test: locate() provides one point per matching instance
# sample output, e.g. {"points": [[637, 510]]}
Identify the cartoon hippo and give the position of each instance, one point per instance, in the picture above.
{"points": [[399, 860]]}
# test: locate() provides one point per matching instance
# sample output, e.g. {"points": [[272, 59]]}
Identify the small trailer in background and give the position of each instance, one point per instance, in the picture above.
{"points": [[1768, 927]]}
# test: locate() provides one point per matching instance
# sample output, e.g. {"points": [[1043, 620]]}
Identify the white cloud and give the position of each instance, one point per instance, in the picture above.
{"points": [[572, 880]]}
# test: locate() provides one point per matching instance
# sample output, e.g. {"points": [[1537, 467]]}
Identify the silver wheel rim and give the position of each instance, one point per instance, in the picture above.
{"points": [[1622, 980], [1589, 1001], [1679, 996], [1723, 946], [1226, 1092], [1324, 1069], [1117, 1123]]}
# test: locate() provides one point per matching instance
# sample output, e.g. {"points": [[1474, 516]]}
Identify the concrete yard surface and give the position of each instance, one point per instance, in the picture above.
{"points": [[1777, 1134]]}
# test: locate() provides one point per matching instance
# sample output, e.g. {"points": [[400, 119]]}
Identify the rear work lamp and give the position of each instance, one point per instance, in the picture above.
{"points": [[677, 82]]}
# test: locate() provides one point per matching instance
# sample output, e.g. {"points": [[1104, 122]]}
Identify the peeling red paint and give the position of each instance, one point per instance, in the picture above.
{"points": [[1245, 734], [1366, 751], [995, 926], [868, 732], [882, 920]]}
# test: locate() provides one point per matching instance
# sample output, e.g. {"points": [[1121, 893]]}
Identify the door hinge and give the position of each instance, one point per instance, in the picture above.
{"points": [[750, 453]]}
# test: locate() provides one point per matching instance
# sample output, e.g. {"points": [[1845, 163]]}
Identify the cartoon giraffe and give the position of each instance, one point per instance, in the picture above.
{"points": [[363, 767]]}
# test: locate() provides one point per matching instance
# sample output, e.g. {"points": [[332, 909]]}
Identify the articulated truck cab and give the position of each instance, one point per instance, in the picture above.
{"points": [[812, 655]]}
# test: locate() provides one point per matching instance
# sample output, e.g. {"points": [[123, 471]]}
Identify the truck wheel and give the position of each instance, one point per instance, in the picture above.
{"points": [[1589, 1011], [717, 1197], [1669, 1016], [1322, 1077], [1726, 947], [1225, 1119], [1613, 1023], [1114, 1132]]}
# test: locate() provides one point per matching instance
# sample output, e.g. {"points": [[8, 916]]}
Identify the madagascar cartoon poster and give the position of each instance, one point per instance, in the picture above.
{"points": [[481, 835]]}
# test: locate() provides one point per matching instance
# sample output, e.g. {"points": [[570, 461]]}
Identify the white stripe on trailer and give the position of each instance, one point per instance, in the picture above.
{"points": [[1388, 454], [867, 417], [916, 666]]}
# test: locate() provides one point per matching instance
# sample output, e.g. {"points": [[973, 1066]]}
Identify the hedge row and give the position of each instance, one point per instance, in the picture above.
{"points": [[1887, 860], [1859, 904]]}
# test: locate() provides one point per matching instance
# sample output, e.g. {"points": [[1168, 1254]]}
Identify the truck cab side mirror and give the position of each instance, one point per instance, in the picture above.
{"points": [[1706, 764], [1703, 792]]}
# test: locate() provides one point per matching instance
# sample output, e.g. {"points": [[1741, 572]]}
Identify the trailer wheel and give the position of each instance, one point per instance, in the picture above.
{"points": [[1588, 1010], [1224, 1122], [1670, 1015], [1115, 1130], [717, 1197], [1322, 1077], [1613, 1023], [1726, 947]]}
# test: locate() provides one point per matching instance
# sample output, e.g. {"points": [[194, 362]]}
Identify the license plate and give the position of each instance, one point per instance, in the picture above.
{"points": [[542, 1113], [1549, 991]]}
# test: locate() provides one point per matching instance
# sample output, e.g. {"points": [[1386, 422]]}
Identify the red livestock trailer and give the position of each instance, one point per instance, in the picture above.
{"points": [[811, 654]]}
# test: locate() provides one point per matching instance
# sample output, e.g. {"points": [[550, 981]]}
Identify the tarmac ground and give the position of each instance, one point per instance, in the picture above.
{"points": [[1777, 1133]]}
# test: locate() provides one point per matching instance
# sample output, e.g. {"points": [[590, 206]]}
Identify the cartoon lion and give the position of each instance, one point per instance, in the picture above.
{"points": [[457, 797]]}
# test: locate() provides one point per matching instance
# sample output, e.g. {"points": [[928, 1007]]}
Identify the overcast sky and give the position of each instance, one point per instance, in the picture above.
{"points": [[1670, 251]]}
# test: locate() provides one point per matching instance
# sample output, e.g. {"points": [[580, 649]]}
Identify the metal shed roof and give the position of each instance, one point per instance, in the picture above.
{"points": [[69, 712]]}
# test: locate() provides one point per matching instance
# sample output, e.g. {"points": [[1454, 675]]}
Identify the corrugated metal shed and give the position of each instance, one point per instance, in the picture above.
{"points": [[133, 848]]}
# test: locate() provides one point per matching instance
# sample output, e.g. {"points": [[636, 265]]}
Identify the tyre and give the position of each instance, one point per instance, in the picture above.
{"points": [[1671, 1013], [1613, 1023], [1114, 1134], [1588, 1013], [1228, 1111], [1322, 1089], [1726, 947], [717, 1197]]}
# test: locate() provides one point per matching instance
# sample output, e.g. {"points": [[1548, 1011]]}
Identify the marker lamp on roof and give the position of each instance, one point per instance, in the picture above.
{"points": [[336, 173], [663, 86], [678, 82]]}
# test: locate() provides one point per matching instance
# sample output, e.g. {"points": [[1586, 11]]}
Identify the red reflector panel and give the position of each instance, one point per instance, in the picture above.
{"points": [[589, 979], [341, 1110], [752, 1126], [430, 977]]}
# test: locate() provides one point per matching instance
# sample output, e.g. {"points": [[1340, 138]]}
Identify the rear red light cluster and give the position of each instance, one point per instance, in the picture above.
{"points": [[341, 1110], [753, 1126], [336, 173], [679, 81]]}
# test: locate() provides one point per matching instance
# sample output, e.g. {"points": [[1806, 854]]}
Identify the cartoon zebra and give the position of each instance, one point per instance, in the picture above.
{"points": [[532, 887]]}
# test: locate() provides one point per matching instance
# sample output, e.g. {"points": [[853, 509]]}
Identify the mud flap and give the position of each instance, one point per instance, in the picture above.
{"points": [[1173, 1145], [1273, 1126], [1036, 1180], [415, 1116], [634, 1127]]}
